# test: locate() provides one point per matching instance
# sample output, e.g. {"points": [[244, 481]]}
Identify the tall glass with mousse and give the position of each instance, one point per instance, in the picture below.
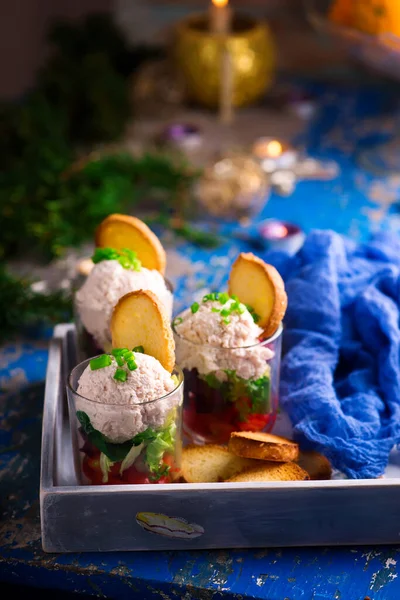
{"points": [[126, 405], [128, 257], [229, 347]]}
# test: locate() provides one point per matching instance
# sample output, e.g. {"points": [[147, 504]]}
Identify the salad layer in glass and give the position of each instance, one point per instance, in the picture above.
{"points": [[128, 417], [231, 373]]}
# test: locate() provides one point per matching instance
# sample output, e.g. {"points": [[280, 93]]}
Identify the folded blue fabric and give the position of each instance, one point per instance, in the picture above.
{"points": [[340, 379]]}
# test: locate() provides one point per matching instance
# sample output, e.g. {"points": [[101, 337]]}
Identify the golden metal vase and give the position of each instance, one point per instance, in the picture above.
{"points": [[198, 55]]}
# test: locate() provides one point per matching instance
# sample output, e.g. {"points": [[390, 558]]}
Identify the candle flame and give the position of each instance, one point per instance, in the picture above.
{"points": [[220, 3], [274, 149], [280, 231]]}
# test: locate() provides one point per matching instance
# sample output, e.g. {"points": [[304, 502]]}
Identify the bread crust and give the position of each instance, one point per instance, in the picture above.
{"points": [[271, 322], [316, 465], [166, 354], [220, 463], [271, 472], [262, 446], [158, 258]]}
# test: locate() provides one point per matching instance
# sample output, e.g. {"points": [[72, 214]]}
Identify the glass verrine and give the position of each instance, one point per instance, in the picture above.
{"points": [[230, 389], [149, 435]]}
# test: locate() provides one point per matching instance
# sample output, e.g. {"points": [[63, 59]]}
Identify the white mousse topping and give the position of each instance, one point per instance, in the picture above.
{"points": [[106, 284], [210, 343], [119, 409]]}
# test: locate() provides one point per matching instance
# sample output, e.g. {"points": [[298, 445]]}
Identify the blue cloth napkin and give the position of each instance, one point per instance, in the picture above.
{"points": [[340, 378]]}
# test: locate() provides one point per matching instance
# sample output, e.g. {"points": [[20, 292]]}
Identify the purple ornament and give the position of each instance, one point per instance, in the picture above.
{"points": [[183, 135], [281, 235]]}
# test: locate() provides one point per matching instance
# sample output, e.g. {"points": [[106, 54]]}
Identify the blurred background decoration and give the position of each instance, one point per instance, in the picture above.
{"points": [[198, 51], [208, 118], [369, 31]]}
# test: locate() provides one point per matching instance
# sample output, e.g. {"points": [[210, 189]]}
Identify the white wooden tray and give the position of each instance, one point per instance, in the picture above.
{"points": [[194, 516]]}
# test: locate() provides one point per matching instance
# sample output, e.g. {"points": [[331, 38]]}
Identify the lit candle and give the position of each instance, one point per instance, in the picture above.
{"points": [[274, 154], [220, 17], [280, 235]]}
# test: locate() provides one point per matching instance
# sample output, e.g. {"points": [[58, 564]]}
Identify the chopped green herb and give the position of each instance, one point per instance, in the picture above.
{"points": [[104, 360], [215, 310], [253, 313], [211, 296], [121, 375], [127, 258], [128, 355], [177, 321], [225, 312], [139, 349], [120, 361], [195, 307], [132, 366], [223, 297], [117, 351], [226, 320]]}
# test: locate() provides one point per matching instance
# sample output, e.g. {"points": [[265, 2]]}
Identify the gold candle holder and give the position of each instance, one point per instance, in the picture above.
{"points": [[198, 56]]}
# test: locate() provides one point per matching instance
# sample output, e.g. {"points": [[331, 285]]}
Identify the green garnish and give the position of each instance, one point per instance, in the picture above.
{"points": [[212, 296], [253, 313], [117, 351], [120, 361], [234, 306], [177, 321], [127, 258], [223, 297], [139, 349], [104, 360], [121, 375], [132, 366], [195, 307]]}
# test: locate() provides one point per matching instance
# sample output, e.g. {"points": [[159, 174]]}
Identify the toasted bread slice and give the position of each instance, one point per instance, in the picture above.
{"points": [[123, 231], [272, 472], [263, 446], [211, 463], [139, 319], [260, 286], [316, 465]]}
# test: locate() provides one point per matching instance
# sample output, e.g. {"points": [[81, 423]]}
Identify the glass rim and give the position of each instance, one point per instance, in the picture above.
{"points": [[70, 388], [272, 338]]}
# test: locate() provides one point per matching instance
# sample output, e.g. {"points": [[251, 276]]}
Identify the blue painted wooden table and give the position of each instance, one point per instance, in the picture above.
{"points": [[353, 204]]}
